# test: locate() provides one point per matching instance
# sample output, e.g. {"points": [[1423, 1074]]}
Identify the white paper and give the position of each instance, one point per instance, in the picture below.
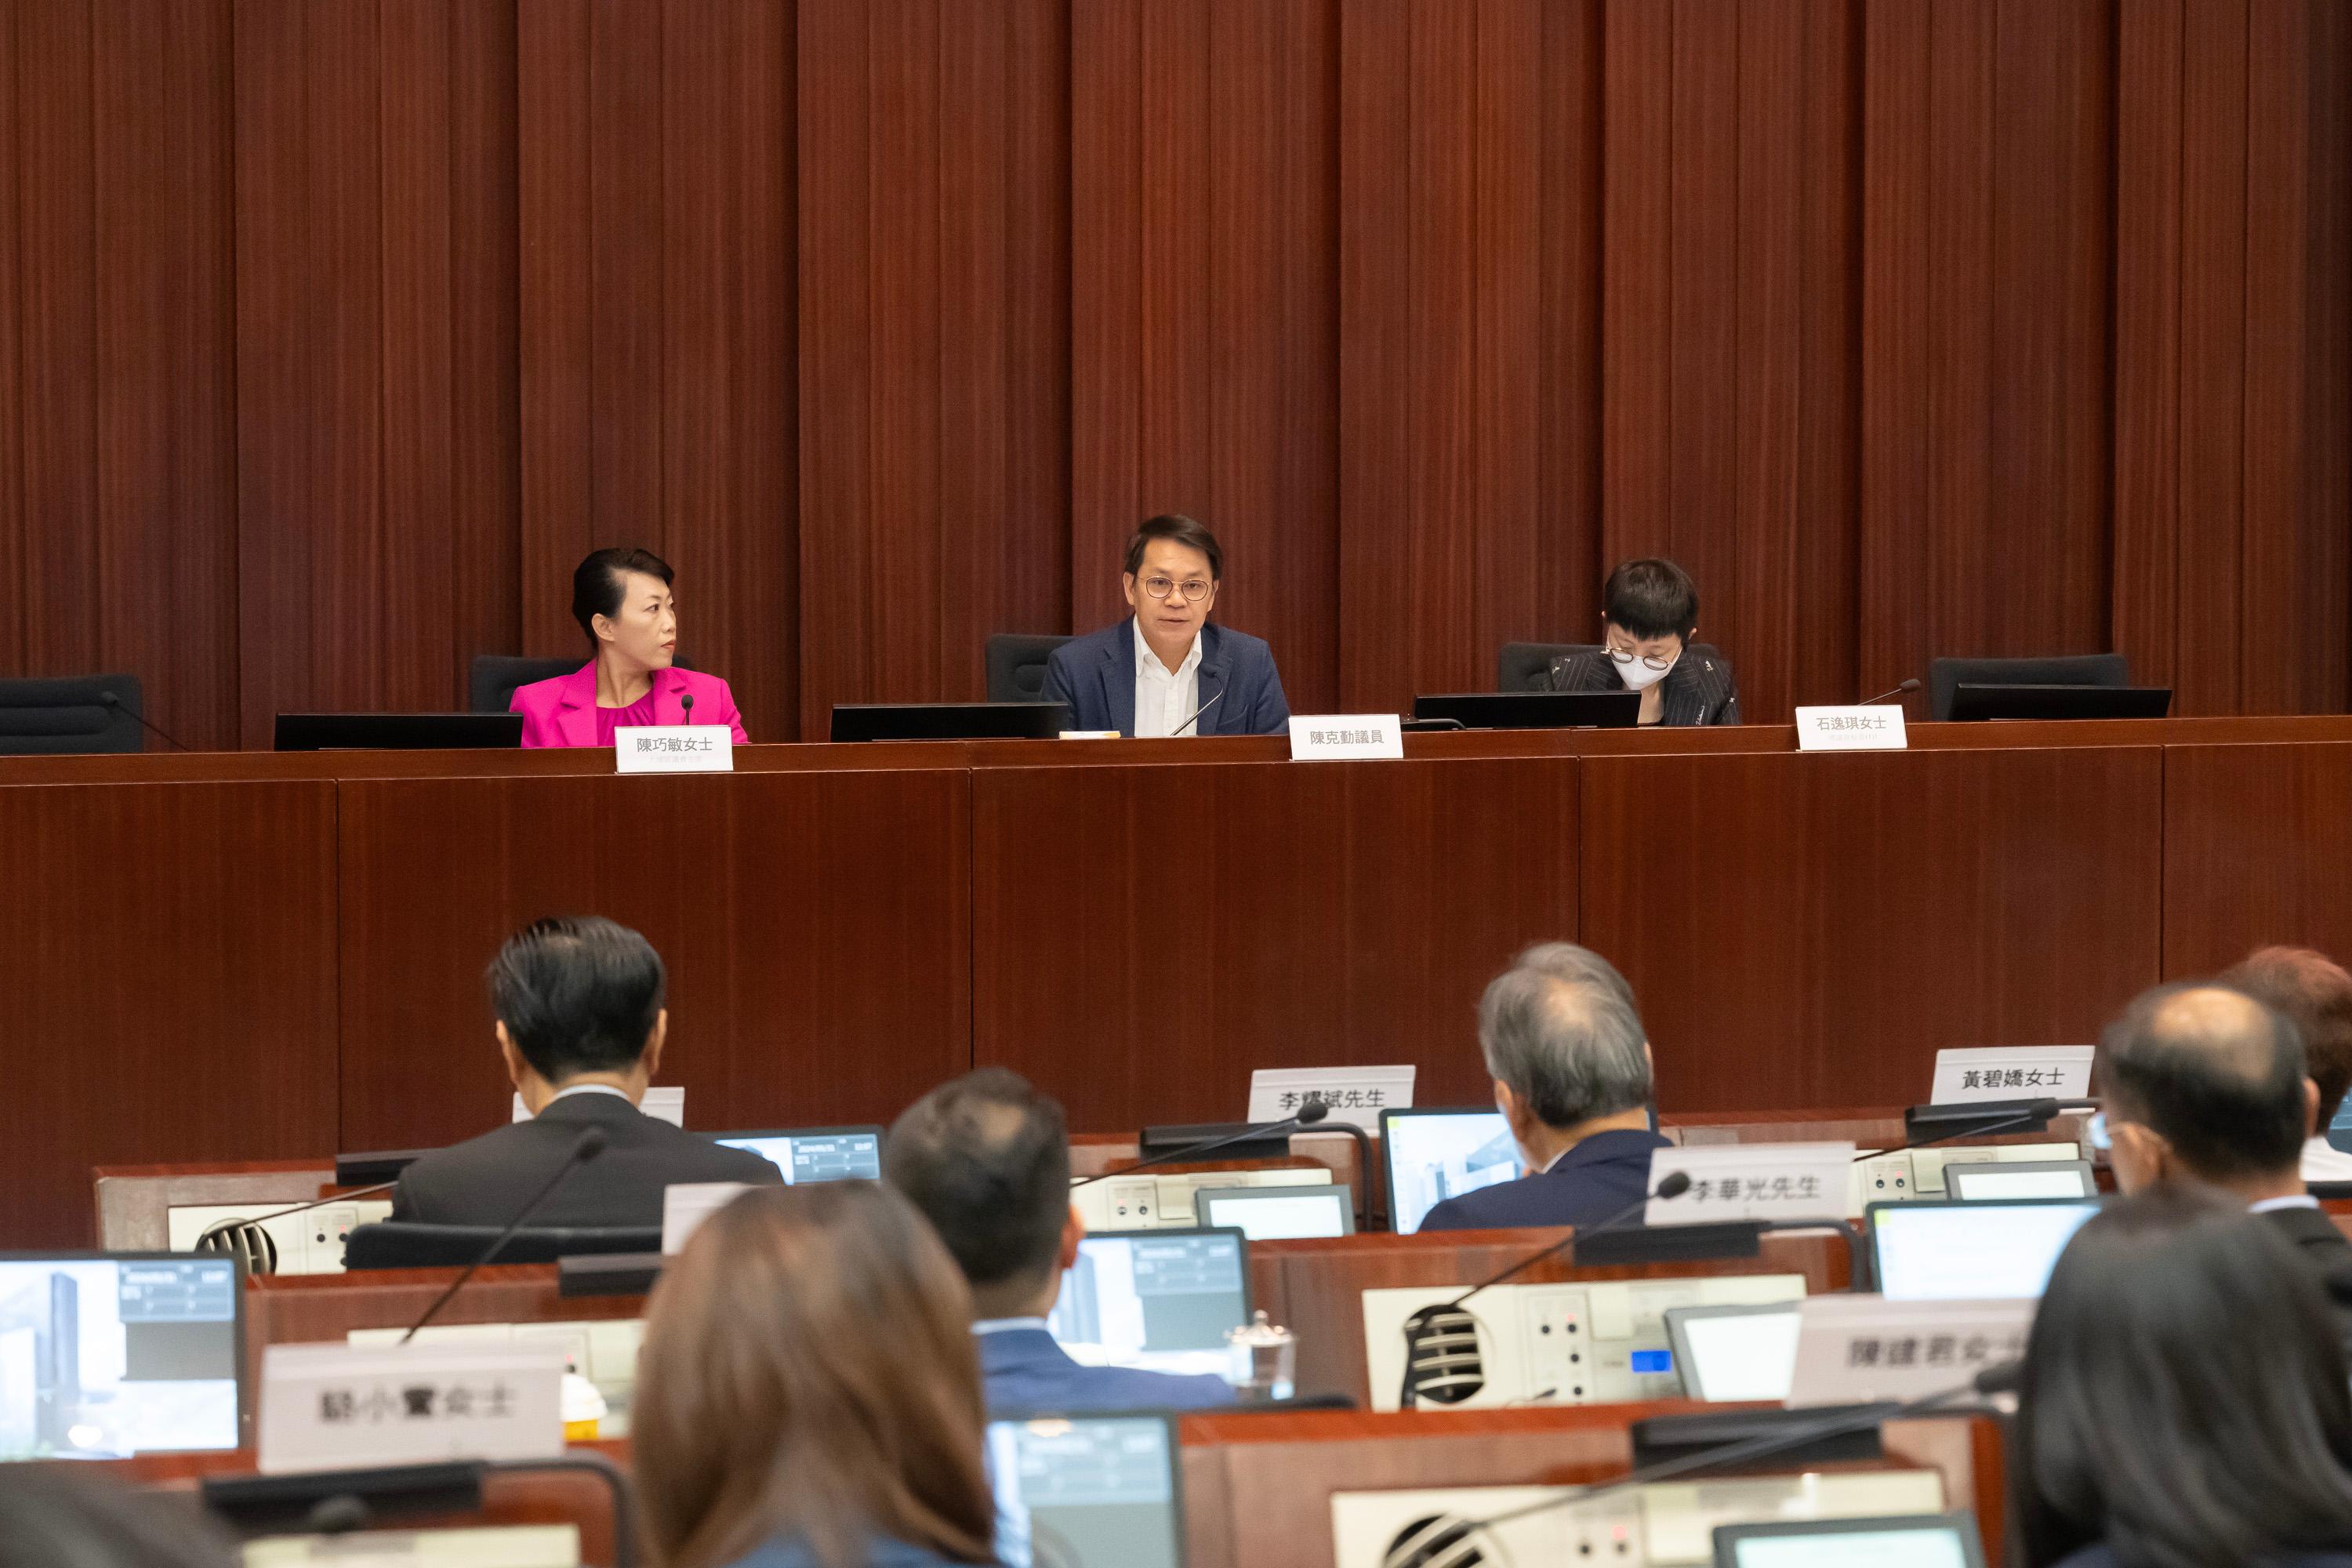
{"points": [[1334, 737], [674, 748], [1753, 1180], [1859, 1349], [661, 1104], [686, 1204], [1872, 727], [1356, 1095], [333, 1407], [2013, 1072]]}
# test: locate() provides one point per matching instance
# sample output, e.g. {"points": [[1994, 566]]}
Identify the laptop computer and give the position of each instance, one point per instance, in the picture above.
{"points": [[1160, 1299], [1086, 1492], [813, 1154], [105, 1355]]}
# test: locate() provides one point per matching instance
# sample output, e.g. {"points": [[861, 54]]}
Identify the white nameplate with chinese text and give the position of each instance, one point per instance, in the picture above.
{"points": [[491, 1546], [1860, 1350], [335, 1407], [1794, 1182], [661, 1104], [2013, 1072], [1875, 727], [686, 1204], [1334, 737], [1356, 1095], [674, 748]]}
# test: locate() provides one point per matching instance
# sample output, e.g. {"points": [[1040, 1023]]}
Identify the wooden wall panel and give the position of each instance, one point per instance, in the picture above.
{"points": [[2257, 851]]}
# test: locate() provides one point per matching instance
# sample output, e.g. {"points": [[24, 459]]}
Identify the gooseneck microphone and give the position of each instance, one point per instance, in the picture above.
{"points": [[686, 707], [1903, 690], [207, 1237], [109, 700], [591, 1143], [1313, 1111], [1203, 707], [2039, 1111]]}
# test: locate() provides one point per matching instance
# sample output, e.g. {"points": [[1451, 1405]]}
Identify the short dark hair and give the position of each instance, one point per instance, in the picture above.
{"points": [[2315, 994], [2223, 1084], [987, 1159], [599, 581], [1651, 598], [2184, 1397], [577, 995], [1176, 530]]}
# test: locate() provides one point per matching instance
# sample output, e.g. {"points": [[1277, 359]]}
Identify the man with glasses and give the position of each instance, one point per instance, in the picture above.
{"points": [[1165, 670], [1648, 616]]}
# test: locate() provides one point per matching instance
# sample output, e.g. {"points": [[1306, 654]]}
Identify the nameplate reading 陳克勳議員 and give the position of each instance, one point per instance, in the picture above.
{"points": [[1336, 737]]}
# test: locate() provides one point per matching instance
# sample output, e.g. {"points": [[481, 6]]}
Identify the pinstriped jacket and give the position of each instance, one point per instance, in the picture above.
{"points": [[1698, 689]]}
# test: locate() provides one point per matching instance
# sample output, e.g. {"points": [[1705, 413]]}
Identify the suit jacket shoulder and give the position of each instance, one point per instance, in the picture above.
{"points": [[1023, 1370], [1594, 1181]]}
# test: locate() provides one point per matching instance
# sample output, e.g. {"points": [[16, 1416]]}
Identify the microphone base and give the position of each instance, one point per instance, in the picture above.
{"points": [[2025, 1117], [1709, 1242], [607, 1273], [1156, 1140], [262, 1505], [1663, 1437]]}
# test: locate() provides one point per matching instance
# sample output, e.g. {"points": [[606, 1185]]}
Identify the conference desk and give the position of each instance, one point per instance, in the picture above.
{"points": [[250, 955]]}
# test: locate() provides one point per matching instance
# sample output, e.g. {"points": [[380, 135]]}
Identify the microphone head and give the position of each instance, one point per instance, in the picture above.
{"points": [[1910, 685], [1313, 1111], [109, 700], [1675, 1185], [2002, 1377], [590, 1144]]}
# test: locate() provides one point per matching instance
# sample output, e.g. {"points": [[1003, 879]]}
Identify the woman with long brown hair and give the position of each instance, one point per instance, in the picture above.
{"points": [[808, 1395]]}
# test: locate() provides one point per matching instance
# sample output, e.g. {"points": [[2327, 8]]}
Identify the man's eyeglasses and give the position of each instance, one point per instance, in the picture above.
{"points": [[1193, 590], [1653, 660]]}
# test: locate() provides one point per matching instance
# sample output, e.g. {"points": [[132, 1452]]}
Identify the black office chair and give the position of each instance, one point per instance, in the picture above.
{"points": [[67, 715], [490, 683], [1945, 676], [1016, 666], [1527, 666], [404, 1244]]}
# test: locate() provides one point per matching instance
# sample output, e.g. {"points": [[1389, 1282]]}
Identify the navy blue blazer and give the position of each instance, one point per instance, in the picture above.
{"points": [[2101, 1556], [1595, 1180], [1023, 1370], [788, 1551], [1095, 674]]}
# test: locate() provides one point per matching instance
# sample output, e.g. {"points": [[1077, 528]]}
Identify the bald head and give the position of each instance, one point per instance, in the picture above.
{"points": [[1560, 1030], [2214, 1074]]}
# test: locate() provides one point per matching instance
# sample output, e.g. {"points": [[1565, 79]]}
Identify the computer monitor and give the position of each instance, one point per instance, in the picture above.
{"points": [[815, 1153], [1961, 1252], [1160, 1299], [103, 1355], [1086, 1492], [1533, 709], [1435, 1154], [1735, 1352], [1278, 1213], [950, 720], [1973, 701], [398, 732], [1915, 1540], [1997, 1180]]}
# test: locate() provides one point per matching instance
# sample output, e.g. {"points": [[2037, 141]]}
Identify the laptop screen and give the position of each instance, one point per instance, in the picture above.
{"points": [[1966, 1251], [1736, 1352], [1163, 1301], [1086, 1492], [1434, 1155], [1996, 1181], [815, 1153], [1928, 1541], [1278, 1213], [104, 1357]]}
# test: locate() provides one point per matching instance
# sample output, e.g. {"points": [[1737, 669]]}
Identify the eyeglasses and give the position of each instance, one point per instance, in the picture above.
{"points": [[1193, 589], [1653, 660]]}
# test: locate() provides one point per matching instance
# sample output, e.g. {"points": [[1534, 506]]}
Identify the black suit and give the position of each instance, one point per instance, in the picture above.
{"points": [[487, 1180], [1596, 1179], [2322, 1245], [1698, 689]]}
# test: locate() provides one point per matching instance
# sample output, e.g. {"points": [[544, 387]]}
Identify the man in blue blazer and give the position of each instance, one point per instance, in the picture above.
{"points": [[987, 1159], [1165, 670], [1570, 1062]]}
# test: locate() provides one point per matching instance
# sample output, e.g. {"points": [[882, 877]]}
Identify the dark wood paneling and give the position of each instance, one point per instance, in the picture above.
{"points": [[173, 992], [1810, 930], [1143, 938], [2258, 849], [815, 925]]}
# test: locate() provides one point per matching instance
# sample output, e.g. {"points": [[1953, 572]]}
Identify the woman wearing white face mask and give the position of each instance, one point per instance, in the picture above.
{"points": [[1650, 612]]}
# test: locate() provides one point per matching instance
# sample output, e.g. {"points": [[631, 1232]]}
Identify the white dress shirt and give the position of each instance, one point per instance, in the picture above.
{"points": [[1164, 701], [2324, 1162]]}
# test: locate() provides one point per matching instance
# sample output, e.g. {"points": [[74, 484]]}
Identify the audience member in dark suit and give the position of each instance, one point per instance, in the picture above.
{"points": [[1570, 1062], [986, 1158], [580, 1024], [2207, 1083], [2315, 994], [1149, 674], [807, 1396], [1649, 614], [2183, 1402]]}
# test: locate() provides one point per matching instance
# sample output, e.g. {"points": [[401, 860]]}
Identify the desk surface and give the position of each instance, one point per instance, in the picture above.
{"points": [[250, 955]]}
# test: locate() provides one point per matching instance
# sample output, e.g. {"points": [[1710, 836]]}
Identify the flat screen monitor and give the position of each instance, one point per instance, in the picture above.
{"points": [[950, 720], [1086, 1492], [1998, 1181], [398, 732], [1278, 1213], [105, 1355], [1160, 1299], [1912, 1541], [1435, 1154], [1534, 709], [1975, 700], [815, 1153], [1962, 1251], [1735, 1352]]}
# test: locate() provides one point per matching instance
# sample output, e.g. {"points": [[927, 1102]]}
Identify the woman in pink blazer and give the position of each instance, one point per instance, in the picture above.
{"points": [[622, 599]]}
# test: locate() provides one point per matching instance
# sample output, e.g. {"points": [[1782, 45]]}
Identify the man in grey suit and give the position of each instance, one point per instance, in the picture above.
{"points": [[1166, 670]]}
